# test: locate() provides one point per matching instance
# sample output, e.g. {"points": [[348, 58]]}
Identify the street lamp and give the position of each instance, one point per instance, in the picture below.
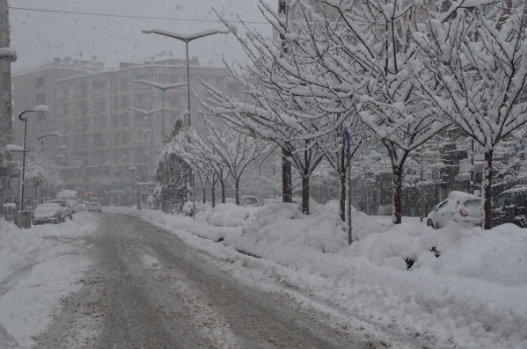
{"points": [[145, 113], [163, 88], [186, 39], [51, 134], [146, 132], [37, 109]]}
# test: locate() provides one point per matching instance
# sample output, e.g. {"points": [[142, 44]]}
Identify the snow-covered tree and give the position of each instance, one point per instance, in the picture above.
{"points": [[293, 113], [369, 63], [236, 150], [477, 54]]}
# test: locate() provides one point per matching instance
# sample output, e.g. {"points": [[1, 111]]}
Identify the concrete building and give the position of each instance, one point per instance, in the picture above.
{"points": [[110, 125], [7, 55]]}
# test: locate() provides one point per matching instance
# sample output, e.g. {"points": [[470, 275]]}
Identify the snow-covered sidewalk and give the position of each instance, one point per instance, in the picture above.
{"points": [[38, 267]]}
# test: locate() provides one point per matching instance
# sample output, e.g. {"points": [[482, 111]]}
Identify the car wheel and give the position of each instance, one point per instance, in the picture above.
{"points": [[430, 223]]}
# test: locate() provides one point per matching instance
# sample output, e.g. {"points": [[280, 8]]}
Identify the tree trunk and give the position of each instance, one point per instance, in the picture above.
{"points": [[397, 194], [237, 191], [204, 194], [213, 190], [213, 195], [487, 190], [342, 178], [222, 185], [305, 194], [287, 186]]}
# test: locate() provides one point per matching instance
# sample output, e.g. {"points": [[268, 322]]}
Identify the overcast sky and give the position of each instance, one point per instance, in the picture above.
{"points": [[39, 36]]}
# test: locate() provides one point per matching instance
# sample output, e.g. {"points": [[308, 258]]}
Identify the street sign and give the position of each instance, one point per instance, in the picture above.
{"points": [[436, 173]]}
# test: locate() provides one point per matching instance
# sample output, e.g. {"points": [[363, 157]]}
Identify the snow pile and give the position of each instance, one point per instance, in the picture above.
{"points": [[39, 266], [228, 215]]}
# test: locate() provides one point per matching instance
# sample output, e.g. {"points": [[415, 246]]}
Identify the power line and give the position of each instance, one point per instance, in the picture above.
{"points": [[130, 16]]}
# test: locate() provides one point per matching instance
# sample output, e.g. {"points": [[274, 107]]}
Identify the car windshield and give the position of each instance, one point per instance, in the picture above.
{"points": [[473, 203], [44, 210]]}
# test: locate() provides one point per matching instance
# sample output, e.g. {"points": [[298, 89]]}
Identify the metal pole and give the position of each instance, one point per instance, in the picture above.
{"points": [[163, 116], [188, 83], [350, 229], [146, 153], [23, 166]]}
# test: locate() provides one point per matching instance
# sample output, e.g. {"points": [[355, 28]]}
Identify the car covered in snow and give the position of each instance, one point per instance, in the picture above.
{"points": [[49, 212], [94, 206], [65, 205], [511, 207], [462, 208]]}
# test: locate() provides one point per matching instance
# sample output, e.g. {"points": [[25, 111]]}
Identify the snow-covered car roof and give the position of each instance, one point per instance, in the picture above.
{"points": [[46, 210], [462, 196]]}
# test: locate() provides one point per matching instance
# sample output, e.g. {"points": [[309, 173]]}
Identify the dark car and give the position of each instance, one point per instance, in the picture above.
{"points": [[511, 207]]}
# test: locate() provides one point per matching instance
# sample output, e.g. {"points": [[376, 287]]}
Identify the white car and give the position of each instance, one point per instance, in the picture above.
{"points": [[462, 208], [50, 212]]}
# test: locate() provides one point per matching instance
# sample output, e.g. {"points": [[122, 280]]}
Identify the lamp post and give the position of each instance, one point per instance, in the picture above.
{"points": [[37, 109], [163, 88], [186, 39], [51, 134], [146, 113], [146, 132]]}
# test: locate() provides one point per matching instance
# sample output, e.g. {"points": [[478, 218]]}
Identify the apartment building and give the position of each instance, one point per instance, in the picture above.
{"points": [[7, 55], [111, 125]]}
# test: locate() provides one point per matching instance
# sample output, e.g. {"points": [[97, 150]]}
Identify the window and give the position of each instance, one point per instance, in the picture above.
{"points": [[39, 81], [125, 120], [126, 137], [99, 105], [125, 82], [98, 85], [125, 102], [115, 120], [40, 98]]}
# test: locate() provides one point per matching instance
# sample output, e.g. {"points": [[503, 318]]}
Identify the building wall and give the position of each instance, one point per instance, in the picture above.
{"points": [[6, 136], [104, 146]]}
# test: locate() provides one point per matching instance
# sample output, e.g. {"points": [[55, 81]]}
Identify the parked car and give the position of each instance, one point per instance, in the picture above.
{"points": [[81, 206], [511, 207], [65, 205], [248, 200], [462, 208], [94, 206], [49, 212]]}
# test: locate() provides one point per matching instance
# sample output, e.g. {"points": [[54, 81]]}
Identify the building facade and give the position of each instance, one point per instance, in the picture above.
{"points": [[7, 55], [111, 125]]}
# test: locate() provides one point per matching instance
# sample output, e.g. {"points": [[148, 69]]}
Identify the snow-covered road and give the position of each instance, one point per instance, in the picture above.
{"points": [[147, 289]]}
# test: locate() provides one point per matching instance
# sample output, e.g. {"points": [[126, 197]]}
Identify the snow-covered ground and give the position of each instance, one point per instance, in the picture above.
{"points": [[38, 267], [471, 296]]}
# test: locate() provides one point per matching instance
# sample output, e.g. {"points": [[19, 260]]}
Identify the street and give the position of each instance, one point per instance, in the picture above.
{"points": [[147, 289]]}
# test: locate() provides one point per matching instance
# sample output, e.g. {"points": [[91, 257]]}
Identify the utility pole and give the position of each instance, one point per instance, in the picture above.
{"points": [[7, 56]]}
